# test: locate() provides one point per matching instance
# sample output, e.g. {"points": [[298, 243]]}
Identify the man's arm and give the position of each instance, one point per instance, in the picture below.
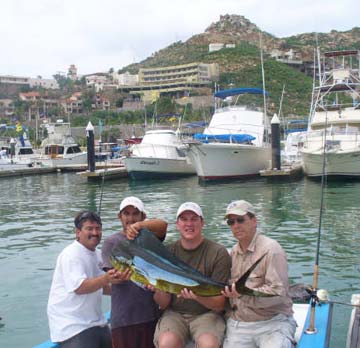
{"points": [[90, 285], [103, 281], [162, 298], [215, 303], [157, 226]]}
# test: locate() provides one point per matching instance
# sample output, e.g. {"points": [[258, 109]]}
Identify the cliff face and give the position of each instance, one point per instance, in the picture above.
{"points": [[234, 29]]}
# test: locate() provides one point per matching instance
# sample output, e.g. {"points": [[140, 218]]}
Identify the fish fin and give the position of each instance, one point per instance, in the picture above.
{"points": [[240, 284]]}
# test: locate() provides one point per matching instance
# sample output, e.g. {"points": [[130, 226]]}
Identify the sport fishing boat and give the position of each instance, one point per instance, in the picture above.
{"points": [[160, 154], [59, 149], [236, 142], [334, 123]]}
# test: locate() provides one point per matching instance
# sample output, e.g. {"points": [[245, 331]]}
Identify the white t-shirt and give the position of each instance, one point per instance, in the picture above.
{"points": [[69, 313]]}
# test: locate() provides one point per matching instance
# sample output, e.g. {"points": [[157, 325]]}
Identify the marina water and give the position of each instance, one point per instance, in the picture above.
{"points": [[37, 212]]}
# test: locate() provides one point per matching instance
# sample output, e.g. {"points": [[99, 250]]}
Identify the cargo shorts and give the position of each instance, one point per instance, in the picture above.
{"points": [[190, 327]]}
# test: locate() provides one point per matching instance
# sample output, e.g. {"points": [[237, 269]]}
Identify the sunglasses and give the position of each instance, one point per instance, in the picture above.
{"points": [[239, 220]]}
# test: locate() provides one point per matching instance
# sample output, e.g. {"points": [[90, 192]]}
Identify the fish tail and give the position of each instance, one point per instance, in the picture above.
{"points": [[240, 284]]}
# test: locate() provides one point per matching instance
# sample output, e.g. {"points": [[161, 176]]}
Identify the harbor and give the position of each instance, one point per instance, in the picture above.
{"points": [[37, 222], [229, 107]]}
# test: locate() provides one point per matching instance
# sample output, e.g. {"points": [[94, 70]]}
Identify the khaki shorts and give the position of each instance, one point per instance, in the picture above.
{"points": [[189, 327]]}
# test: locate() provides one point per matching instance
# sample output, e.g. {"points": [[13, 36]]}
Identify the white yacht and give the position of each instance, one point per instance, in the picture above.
{"points": [[236, 142], [332, 142], [60, 148], [160, 154]]}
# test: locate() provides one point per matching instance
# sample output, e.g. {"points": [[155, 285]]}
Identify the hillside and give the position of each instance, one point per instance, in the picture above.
{"points": [[241, 66]]}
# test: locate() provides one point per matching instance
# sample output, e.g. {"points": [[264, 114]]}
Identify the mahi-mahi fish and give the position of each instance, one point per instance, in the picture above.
{"points": [[152, 264]]}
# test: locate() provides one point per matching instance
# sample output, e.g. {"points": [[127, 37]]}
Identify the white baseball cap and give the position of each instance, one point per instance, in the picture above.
{"points": [[239, 208], [189, 206], [133, 201]]}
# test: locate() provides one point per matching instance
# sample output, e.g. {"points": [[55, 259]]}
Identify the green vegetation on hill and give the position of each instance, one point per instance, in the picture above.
{"points": [[241, 67]]}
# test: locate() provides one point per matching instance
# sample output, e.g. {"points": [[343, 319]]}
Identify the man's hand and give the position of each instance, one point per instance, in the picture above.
{"points": [[230, 292], [116, 277], [187, 294], [132, 230]]}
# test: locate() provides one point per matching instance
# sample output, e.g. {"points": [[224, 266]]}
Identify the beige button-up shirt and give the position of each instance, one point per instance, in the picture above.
{"points": [[270, 276]]}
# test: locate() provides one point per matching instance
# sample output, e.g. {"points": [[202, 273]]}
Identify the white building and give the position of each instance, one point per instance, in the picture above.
{"points": [[97, 81], [44, 83], [125, 79], [215, 47], [14, 79]]}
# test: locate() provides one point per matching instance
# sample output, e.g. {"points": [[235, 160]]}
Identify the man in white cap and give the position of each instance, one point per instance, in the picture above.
{"points": [[189, 316], [257, 322], [134, 313]]}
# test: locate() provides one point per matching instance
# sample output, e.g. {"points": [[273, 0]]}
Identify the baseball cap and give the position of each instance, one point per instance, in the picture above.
{"points": [[190, 206], [133, 201], [239, 208]]}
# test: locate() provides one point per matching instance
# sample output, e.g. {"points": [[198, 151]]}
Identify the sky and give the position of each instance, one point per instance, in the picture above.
{"points": [[43, 37]]}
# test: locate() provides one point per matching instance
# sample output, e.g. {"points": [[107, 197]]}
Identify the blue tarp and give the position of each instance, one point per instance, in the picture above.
{"points": [[236, 91], [235, 138], [119, 148]]}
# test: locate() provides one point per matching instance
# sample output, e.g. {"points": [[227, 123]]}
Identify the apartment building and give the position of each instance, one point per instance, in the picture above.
{"points": [[192, 73], [20, 80], [177, 80]]}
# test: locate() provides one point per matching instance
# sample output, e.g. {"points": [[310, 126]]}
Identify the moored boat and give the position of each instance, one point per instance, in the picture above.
{"points": [[236, 142], [60, 149], [160, 154], [334, 124]]}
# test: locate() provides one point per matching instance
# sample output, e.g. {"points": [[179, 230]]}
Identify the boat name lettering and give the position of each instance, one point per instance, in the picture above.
{"points": [[156, 163]]}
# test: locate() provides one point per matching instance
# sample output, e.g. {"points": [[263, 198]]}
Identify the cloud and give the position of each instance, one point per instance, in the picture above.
{"points": [[42, 37]]}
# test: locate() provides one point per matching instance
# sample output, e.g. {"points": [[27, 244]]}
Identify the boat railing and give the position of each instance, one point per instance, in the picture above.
{"points": [[224, 107], [335, 138]]}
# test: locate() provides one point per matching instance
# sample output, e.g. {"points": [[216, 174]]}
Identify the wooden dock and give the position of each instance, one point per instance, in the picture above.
{"points": [[105, 173], [6, 173], [286, 172]]}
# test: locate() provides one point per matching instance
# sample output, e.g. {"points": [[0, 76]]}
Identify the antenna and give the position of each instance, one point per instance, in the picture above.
{"points": [[263, 82]]}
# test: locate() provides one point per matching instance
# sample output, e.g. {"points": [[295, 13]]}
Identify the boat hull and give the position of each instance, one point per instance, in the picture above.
{"points": [[66, 160], [216, 161], [341, 163], [150, 168]]}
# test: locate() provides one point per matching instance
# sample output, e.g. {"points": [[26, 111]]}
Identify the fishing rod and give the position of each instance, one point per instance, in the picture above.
{"points": [[314, 298], [102, 189]]}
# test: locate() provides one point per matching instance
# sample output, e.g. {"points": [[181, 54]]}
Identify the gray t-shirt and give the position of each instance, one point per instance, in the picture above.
{"points": [[130, 304]]}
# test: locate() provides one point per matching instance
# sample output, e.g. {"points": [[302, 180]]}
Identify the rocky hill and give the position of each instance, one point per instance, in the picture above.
{"points": [[241, 66], [237, 29]]}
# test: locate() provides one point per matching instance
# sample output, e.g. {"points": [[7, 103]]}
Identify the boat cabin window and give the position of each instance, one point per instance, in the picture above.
{"points": [[27, 151], [54, 150], [73, 149]]}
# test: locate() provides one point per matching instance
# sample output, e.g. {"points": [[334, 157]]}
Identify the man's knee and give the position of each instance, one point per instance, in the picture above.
{"points": [[169, 340], [207, 340]]}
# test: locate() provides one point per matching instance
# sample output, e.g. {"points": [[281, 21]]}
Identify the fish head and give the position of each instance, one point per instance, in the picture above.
{"points": [[120, 263]]}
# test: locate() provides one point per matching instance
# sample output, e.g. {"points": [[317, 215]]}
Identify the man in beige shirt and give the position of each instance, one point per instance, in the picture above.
{"points": [[257, 322]]}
